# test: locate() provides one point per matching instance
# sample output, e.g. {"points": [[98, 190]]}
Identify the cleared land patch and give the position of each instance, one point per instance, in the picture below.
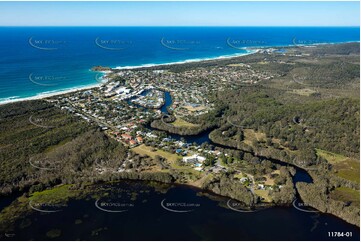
{"points": [[250, 135], [264, 194], [347, 195], [183, 124], [152, 152], [343, 166], [303, 92]]}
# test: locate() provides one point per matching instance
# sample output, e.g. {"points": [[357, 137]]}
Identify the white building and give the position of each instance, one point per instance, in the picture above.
{"points": [[194, 159]]}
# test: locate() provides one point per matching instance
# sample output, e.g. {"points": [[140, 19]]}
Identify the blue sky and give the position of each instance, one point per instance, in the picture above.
{"points": [[179, 13]]}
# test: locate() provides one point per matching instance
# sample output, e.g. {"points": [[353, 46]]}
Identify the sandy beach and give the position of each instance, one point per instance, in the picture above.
{"points": [[50, 94]]}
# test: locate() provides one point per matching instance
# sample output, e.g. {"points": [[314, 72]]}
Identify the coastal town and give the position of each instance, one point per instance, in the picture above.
{"points": [[128, 100]]}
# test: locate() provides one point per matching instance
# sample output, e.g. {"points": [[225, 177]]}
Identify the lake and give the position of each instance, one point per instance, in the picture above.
{"points": [[173, 213]]}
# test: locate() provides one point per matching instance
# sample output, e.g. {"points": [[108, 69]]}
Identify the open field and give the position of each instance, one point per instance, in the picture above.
{"points": [[183, 124], [250, 135], [148, 150], [270, 181], [347, 195], [303, 92], [343, 166], [193, 109], [331, 157], [348, 169], [263, 194], [239, 175]]}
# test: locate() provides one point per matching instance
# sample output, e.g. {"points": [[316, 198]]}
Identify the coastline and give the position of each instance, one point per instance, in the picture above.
{"points": [[50, 94], [249, 51], [90, 86]]}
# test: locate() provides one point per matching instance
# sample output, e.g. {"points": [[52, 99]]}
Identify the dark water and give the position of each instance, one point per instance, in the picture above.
{"points": [[206, 220], [198, 139], [7, 200], [167, 102]]}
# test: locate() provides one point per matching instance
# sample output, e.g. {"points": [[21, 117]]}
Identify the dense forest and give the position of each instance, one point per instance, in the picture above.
{"points": [[326, 124]]}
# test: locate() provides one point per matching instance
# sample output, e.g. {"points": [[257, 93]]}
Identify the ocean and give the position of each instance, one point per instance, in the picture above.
{"points": [[38, 61]]}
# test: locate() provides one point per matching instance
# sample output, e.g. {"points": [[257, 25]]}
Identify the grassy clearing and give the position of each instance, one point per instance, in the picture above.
{"points": [[269, 180], [348, 169], [332, 158], [193, 109], [347, 195], [264, 194], [53, 195], [342, 166], [148, 150], [239, 175], [201, 181], [171, 159], [303, 92], [250, 135], [183, 124]]}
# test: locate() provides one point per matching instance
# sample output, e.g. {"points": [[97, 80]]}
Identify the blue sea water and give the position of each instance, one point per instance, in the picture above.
{"points": [[39, 60]]}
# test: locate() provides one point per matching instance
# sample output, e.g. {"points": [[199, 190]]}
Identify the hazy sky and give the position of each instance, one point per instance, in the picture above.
{"points": [[179, 13]]}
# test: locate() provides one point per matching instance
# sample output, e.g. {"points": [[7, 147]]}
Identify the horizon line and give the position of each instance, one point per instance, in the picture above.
{"points": [[175, 26]]}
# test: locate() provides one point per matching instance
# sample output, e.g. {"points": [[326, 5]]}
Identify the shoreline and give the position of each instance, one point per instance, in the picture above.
{"points": [[249, 51], [50, 94]]}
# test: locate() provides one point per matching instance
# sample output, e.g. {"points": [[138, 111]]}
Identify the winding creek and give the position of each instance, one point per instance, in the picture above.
{"points": [[300, 176], [150, 212]]}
